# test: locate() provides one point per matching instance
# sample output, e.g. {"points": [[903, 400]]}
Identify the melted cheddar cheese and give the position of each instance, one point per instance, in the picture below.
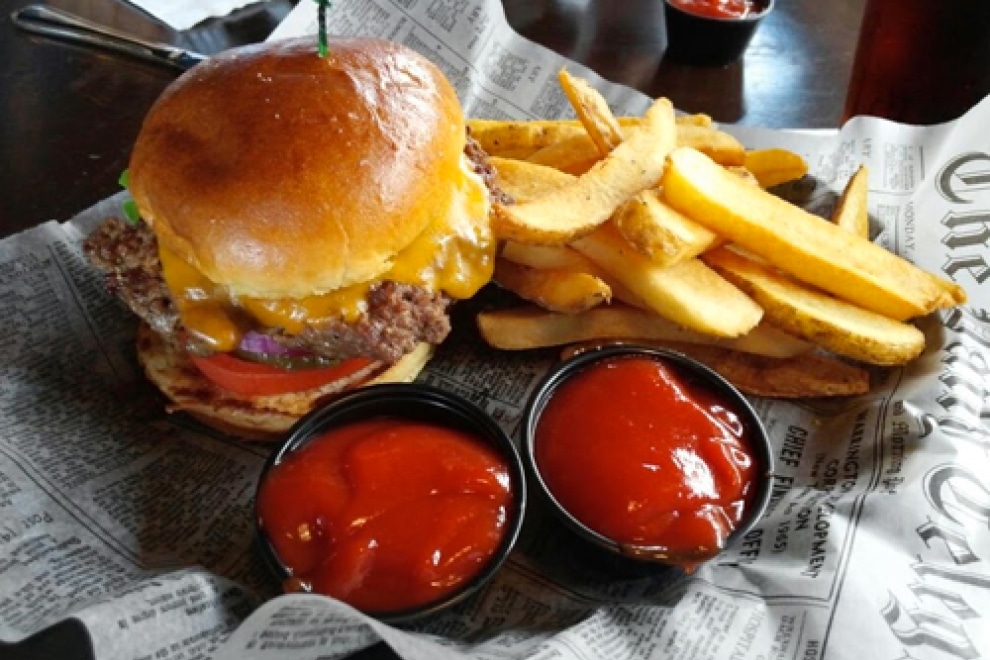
{"points": [[454, 254]]}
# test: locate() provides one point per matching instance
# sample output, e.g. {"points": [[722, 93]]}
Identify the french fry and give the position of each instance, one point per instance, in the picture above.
{"points": [[953, 294], [527, 327], [516, 153], [520, 138], [772, 167], [563, 257], [563, 291], [802, 376], [487, 126], [560, 257], [743, 173], [575, 155], [838, 326], [804, 245], [688, 293], [660, 232], [698, 119], [593, 111], [718, 145], [587, 202], [851, 211], [526, 181]]}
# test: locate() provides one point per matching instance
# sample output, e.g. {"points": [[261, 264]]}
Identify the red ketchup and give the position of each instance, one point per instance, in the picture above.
{"points": [[646, 457], [387, 514], [720, 8]]}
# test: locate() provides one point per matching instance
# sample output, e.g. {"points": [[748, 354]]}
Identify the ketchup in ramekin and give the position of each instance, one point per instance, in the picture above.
{"points": [[722, 8], [651, 453], [711, 32], [395, 509]]}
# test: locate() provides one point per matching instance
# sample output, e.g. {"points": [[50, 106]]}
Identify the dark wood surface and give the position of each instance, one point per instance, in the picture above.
{"points": [[70, 114]]}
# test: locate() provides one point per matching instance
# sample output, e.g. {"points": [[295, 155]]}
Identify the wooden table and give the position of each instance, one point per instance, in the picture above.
{"points": [[70, 114]]}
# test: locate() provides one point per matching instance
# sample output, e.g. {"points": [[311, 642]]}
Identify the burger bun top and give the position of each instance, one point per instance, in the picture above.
{"points": [[281, 174]]}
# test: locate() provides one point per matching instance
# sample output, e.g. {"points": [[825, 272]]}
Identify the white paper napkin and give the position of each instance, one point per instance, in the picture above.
{"points": [[183, 14]]}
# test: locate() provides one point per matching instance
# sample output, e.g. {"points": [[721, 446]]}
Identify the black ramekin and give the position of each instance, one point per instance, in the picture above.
{"points": [[707, 41], [695, 371], [414, 402]]}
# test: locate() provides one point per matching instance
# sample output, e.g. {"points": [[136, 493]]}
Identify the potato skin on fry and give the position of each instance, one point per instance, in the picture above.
{"points": [[834, 324]]}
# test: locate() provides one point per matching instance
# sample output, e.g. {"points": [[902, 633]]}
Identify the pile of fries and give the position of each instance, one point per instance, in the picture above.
{"points": [[660, 229]]}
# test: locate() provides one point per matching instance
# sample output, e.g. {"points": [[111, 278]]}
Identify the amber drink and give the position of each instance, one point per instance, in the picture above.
{"points": [[921, 61]]}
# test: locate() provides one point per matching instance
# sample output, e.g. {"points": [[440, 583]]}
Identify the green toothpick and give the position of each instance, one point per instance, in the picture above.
{"points": [[321, 17]]}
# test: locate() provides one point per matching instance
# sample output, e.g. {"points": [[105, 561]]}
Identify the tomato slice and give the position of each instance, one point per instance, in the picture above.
{"points": [[254, 379]]}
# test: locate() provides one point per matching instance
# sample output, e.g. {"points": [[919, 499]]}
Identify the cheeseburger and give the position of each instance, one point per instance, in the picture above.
{"points": [[305, 224]]}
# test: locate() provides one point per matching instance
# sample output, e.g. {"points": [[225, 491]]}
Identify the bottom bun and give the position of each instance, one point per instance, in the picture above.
{"points": [[261, 418]]}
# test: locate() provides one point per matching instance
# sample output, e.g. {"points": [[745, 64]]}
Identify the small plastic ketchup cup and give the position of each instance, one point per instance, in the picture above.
{"points": [[721, 8], [648, 453], [397, 509], [711, 32]]}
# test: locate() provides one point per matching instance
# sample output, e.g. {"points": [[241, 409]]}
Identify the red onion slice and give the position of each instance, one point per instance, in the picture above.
{"points": [[259, 343]]}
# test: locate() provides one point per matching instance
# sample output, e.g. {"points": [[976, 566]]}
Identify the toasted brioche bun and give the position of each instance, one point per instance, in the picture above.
{"points": [[281, 174], [261, 418]]}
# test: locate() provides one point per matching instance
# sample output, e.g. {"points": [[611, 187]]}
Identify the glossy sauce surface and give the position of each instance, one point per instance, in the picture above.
{"points": [[645, 457], [387, 514], [720, 8]]}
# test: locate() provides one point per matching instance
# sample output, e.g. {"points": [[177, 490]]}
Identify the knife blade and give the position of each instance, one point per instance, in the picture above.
{"points": [[52, 22]]}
